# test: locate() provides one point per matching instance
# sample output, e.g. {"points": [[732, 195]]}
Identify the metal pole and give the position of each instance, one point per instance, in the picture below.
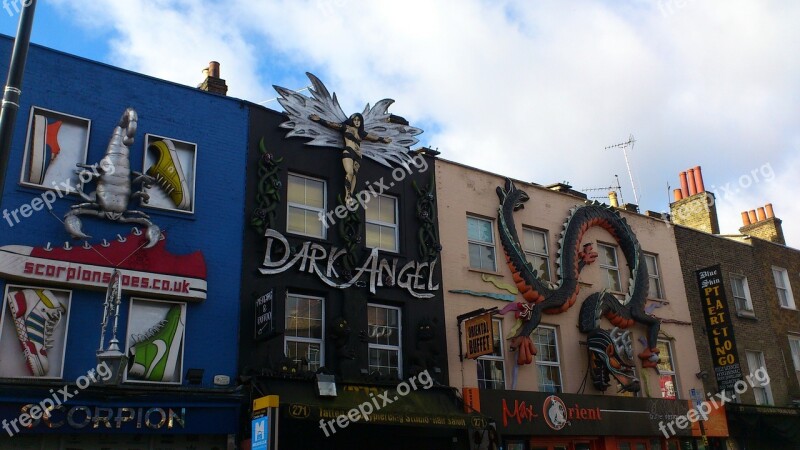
{"points": [[12, 92]]}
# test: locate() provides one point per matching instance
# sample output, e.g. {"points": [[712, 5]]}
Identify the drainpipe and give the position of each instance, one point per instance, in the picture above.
{"points": [[11, 95]]}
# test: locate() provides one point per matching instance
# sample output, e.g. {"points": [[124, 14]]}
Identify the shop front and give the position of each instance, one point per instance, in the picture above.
{"points": [[371, 416], [764, 426], [116, 419], [546, 421]]}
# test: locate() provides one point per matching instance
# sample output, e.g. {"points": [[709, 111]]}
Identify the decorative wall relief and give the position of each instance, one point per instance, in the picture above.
{"points": [[369, 133], [155, 338], [56, 144], [171, 164], [428, 233], [113, 185], [33, 332], [268, 196], [553, 298]]}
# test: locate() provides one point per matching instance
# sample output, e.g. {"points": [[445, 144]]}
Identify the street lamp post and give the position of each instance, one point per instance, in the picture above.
{"points": [[112, 357], [12, 92]]}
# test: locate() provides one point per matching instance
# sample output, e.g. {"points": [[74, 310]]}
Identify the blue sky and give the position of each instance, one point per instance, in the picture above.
{"points": [[530, 89]]}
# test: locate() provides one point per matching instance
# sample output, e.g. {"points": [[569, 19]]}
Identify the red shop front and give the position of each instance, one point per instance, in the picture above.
{"points": [[546, 421]]}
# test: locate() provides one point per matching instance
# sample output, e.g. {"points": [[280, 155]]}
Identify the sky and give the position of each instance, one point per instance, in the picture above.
{"points": [[534, 90]]}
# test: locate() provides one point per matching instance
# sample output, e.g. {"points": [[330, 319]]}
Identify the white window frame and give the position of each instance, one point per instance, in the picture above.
{"points": [[287, 338], [482, 244], [795, 350], [783, 274], [395, 226], [748, 302], [556, 364], [398, 347], [545, 255], [607, 267], [761, 363], [494, 359], [674, 372], [305, 207], [654, 276]]}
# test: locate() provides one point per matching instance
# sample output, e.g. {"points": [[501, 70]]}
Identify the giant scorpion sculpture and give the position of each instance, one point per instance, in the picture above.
{"points": [[610, 352], [113, 191]]}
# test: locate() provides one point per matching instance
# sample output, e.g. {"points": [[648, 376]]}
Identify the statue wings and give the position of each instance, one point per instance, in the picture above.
{"points": [[326, 106]]}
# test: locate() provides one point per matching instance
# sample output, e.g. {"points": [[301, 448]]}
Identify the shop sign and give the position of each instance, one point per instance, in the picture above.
{"points": [[727, 368], [260, 434], [99, 418], [547, 414], [480, 336], [263, 315], [313, 258], [145, 271]]}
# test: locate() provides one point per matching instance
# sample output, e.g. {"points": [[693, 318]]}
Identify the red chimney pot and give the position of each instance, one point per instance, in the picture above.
{"points": [[745, 218], [684, 185], [770, 212], [692, 185], [698, 179]]}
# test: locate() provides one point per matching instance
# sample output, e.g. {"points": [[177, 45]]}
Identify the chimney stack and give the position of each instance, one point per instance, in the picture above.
{"points": [[213, 83], [693, 206], [612, 199], [763, 224]]}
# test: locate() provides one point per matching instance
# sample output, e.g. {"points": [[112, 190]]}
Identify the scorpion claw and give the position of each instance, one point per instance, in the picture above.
{"points": [[73, 226], [153, 235]]}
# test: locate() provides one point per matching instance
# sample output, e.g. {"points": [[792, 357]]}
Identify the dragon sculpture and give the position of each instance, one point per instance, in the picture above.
{"points": [[610, 352]]}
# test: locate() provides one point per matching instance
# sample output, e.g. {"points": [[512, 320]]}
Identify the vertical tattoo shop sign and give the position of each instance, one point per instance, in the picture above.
{"points": [[263, 316], [718, 327]]}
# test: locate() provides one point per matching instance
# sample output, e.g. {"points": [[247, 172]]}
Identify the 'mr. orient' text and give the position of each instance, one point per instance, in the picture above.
{"points": [[412, 276]]}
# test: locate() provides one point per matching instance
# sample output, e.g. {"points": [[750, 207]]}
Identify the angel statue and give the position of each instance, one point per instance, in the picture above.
{"points": [[367, 134]]}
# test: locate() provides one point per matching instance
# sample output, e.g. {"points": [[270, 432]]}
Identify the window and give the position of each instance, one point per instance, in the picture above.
{"points": [[654, 289], [481, 244], [304, 331], [784, 288], [384, 340], [741, 295], [382, 223], [668, 381], [762, 391], [794, 346], [534, 243], [306, 200], [547, 359], [491, 368], [609, 267]]}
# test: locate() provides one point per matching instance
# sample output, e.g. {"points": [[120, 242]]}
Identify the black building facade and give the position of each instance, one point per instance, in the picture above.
{"points": [[348, 289]]}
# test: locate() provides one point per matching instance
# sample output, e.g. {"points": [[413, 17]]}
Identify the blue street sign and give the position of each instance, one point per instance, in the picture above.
{"points": [[260, 435]]}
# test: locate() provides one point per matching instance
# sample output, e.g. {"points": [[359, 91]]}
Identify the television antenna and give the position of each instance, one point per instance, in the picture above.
{"points": [[624, 146], [617, 189]]}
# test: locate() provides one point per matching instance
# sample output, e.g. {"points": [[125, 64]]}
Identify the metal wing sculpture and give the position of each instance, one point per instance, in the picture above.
{"points": [[325, 105]]}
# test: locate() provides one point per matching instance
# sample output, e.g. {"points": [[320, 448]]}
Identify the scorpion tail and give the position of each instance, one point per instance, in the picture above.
{"points": [[153, 235], [74, 227]]}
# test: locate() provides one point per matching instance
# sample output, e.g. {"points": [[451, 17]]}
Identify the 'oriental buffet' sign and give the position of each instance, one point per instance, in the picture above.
{"points": [[313, 258]]}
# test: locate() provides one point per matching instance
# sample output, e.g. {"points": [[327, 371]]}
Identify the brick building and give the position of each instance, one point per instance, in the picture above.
{"points": [[758, 272], [523, 397]]}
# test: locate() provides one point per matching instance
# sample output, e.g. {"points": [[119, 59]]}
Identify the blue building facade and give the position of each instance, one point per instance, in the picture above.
{"points": [[179, 270]]}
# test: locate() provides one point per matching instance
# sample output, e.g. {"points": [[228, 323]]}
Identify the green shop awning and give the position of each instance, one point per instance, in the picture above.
{"points": [[433, 407]]}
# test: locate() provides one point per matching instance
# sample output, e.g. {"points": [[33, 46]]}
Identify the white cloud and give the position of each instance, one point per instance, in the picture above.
{"points": [[534, 90]]}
